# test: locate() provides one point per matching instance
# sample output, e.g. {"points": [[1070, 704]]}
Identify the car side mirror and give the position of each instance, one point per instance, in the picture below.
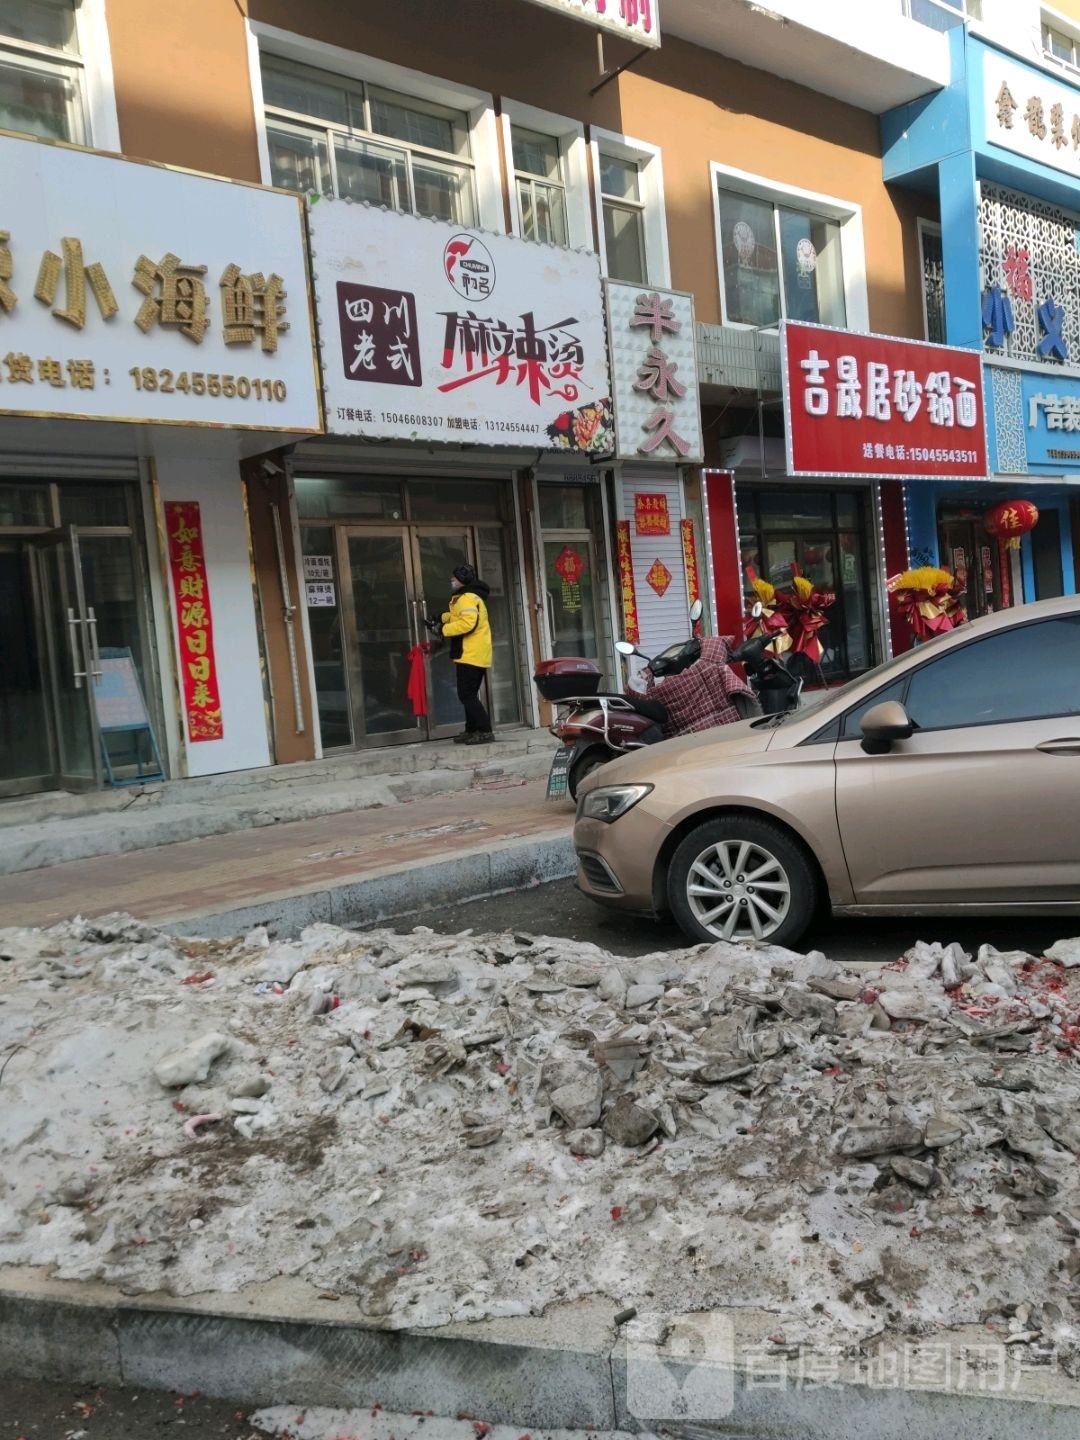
{"points": [[883, 724]]}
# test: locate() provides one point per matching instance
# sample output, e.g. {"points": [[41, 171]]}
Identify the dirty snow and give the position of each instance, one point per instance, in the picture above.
{"points": [[319, 1422], [439, 1129]]}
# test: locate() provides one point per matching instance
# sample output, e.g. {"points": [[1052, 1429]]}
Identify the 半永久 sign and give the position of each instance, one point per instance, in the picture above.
{"points": [[881, 407], [431, 332], [132, 292], [654, 380]]}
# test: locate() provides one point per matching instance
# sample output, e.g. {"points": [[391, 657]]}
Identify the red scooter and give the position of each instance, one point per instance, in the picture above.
{"points": [[595, 726]]}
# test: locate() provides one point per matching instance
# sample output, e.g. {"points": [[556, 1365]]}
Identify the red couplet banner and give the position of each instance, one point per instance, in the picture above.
{"points": [[191, 594], [881, 407]]}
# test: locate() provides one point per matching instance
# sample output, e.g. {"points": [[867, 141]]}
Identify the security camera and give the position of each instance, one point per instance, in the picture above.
{"points": [[271, 467]]}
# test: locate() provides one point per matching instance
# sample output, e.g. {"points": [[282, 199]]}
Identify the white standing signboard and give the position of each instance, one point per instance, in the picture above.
{"points": [[129, 291], [637, 20], [653, 349], [431, 332]]}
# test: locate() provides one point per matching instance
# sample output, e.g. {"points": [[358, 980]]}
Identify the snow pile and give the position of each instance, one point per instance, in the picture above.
{"points": [[449, 1128]]}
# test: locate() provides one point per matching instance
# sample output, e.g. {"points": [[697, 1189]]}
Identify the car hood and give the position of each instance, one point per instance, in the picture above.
{"points": [[706, 747]]}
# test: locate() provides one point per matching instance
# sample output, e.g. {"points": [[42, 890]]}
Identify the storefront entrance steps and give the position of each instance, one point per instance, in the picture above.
{"points": [[347, 868], [50, 829]]}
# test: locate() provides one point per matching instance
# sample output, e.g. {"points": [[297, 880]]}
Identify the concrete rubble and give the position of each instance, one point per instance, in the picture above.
{"points": [[437, 1129]]}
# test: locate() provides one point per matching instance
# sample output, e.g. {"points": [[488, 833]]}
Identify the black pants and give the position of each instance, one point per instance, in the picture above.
{"points": [[469, 680]]}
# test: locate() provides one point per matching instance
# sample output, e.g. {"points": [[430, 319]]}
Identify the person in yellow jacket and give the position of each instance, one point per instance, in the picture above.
{"points": [[468, 629]]}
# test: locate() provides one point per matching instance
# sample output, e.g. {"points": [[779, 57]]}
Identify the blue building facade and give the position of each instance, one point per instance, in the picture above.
{"points": [[999, 150]]}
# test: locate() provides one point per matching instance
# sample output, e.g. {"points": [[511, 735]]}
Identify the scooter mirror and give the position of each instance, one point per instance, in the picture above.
{"points": [[624, 648], [757, 611], [696, 611]]}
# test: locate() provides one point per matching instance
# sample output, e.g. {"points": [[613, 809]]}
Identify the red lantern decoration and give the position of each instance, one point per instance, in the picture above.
{"points": [[1011, 519]]}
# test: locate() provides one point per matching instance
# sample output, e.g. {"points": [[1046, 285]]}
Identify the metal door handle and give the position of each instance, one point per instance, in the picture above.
{"points": [[77, 675], [551, 615], [1069, 746], [95, 653]]}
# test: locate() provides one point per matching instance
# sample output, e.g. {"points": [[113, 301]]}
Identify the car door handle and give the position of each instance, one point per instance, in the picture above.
{"points": [[1070, 746]]}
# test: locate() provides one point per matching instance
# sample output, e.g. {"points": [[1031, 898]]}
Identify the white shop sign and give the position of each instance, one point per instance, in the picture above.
{"points": [[651, 339], [318, 567], [1031, 114], [320, 593], [637, 20], [431, 332], [133, 292]]}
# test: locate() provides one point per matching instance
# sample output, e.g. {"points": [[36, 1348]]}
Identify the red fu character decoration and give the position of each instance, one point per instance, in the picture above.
{"points": [[1009, 520]]}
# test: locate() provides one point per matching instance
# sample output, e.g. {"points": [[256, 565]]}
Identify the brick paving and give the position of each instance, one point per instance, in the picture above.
{"points": [[228, 871]]}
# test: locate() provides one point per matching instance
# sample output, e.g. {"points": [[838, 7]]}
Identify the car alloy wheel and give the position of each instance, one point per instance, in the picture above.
{"points": [[739, 891], [741, 878]]}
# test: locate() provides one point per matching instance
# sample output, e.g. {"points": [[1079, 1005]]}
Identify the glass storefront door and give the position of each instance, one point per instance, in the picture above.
{"points": [[971, 554], [373, 583], [570, 592]]}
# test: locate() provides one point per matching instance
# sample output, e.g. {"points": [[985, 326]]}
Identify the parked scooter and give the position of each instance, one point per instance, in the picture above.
{"points": [[596, 726], [773, 683]]}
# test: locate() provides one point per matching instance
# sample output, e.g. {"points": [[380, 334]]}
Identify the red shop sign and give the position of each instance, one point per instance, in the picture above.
{"points": [[877, 406]]}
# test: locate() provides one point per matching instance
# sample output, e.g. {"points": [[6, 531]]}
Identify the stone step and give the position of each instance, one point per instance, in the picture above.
{"points": [[143, 820]]}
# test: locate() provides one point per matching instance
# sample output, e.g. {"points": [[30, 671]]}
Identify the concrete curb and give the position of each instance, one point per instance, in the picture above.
{"points": [[280, 1344], [393, 892]]}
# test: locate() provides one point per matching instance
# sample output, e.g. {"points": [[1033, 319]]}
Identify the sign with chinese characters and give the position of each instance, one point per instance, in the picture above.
{"points": [[430, 332], [651, 340], [133, 292], [318, 567], [627, 592], [877, 406], [320, 592], [659, 576], [689, 546], [1051, 406], [194, 621], [651, 515], [637, 20], [1031, 113]]}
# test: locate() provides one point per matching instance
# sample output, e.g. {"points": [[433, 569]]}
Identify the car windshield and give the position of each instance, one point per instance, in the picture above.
{"points": [[820, 698]]}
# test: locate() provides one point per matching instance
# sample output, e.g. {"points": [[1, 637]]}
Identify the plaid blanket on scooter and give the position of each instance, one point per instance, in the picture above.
{"points": [[700, 697]]}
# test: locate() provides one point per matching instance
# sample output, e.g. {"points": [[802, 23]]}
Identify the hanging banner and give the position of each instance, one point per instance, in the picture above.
{"points": [[881, 407], [651, 515], [689, 550], [194, 622], [631, 630]]}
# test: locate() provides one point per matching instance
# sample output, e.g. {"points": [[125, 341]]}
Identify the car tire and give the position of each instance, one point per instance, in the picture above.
{"points": [[583, 766], [777, 909]]}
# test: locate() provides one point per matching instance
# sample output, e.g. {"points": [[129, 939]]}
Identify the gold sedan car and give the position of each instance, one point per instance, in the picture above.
{"points": [[944, 782]]}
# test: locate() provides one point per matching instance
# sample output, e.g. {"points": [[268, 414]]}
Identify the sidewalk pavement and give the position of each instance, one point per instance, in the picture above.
{"points": [[355, 866]]}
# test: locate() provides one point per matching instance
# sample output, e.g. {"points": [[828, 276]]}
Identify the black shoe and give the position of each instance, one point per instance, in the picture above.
{"points": [[479, 737], [465, 738]]}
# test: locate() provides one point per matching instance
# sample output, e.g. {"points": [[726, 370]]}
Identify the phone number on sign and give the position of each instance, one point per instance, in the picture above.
{"points": [[228, 387]]}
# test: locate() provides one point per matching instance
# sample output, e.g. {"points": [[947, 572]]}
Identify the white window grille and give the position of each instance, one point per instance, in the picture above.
{"points": [[541, 186], [1026, 244], [42, 72]]}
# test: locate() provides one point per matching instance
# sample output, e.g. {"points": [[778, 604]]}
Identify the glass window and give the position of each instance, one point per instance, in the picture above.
{"points": [[94, 505], [447, 501], [25, 505], [41, 71], [933, 274], [562, 507], [327, 135], [624, 219], [541, 189], [1024, 673], [942, 14], [1059, 45], [849, 726], [779, 262], [346, 499]]}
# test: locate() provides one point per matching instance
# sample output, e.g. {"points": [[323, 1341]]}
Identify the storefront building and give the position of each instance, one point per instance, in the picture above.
{"points": [[155, 329], [1001, 148]]}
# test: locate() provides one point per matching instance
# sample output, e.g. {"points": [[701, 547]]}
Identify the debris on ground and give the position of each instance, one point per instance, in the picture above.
{"points": [[440, 1129]]}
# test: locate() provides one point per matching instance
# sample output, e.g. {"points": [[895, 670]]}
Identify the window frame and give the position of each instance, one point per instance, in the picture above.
{"points": [[847, 213], [91, 63], [574, 156], [425, 90], [649, 161], [1065, 28]]}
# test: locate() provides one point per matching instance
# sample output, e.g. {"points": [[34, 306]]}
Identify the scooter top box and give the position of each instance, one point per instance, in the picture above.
{"points": [[566, 677]]}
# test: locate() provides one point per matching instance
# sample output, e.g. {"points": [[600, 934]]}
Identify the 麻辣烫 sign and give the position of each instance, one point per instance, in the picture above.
{"points": [[637, 20], [881, 407], [137, 293], [194, 621], [434, 332]]}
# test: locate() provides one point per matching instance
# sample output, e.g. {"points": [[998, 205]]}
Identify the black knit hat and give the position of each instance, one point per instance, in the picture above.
{"points": [[466, 574]]}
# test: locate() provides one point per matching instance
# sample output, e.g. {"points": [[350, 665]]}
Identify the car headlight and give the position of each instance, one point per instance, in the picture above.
{"points": [[608, 802]]}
